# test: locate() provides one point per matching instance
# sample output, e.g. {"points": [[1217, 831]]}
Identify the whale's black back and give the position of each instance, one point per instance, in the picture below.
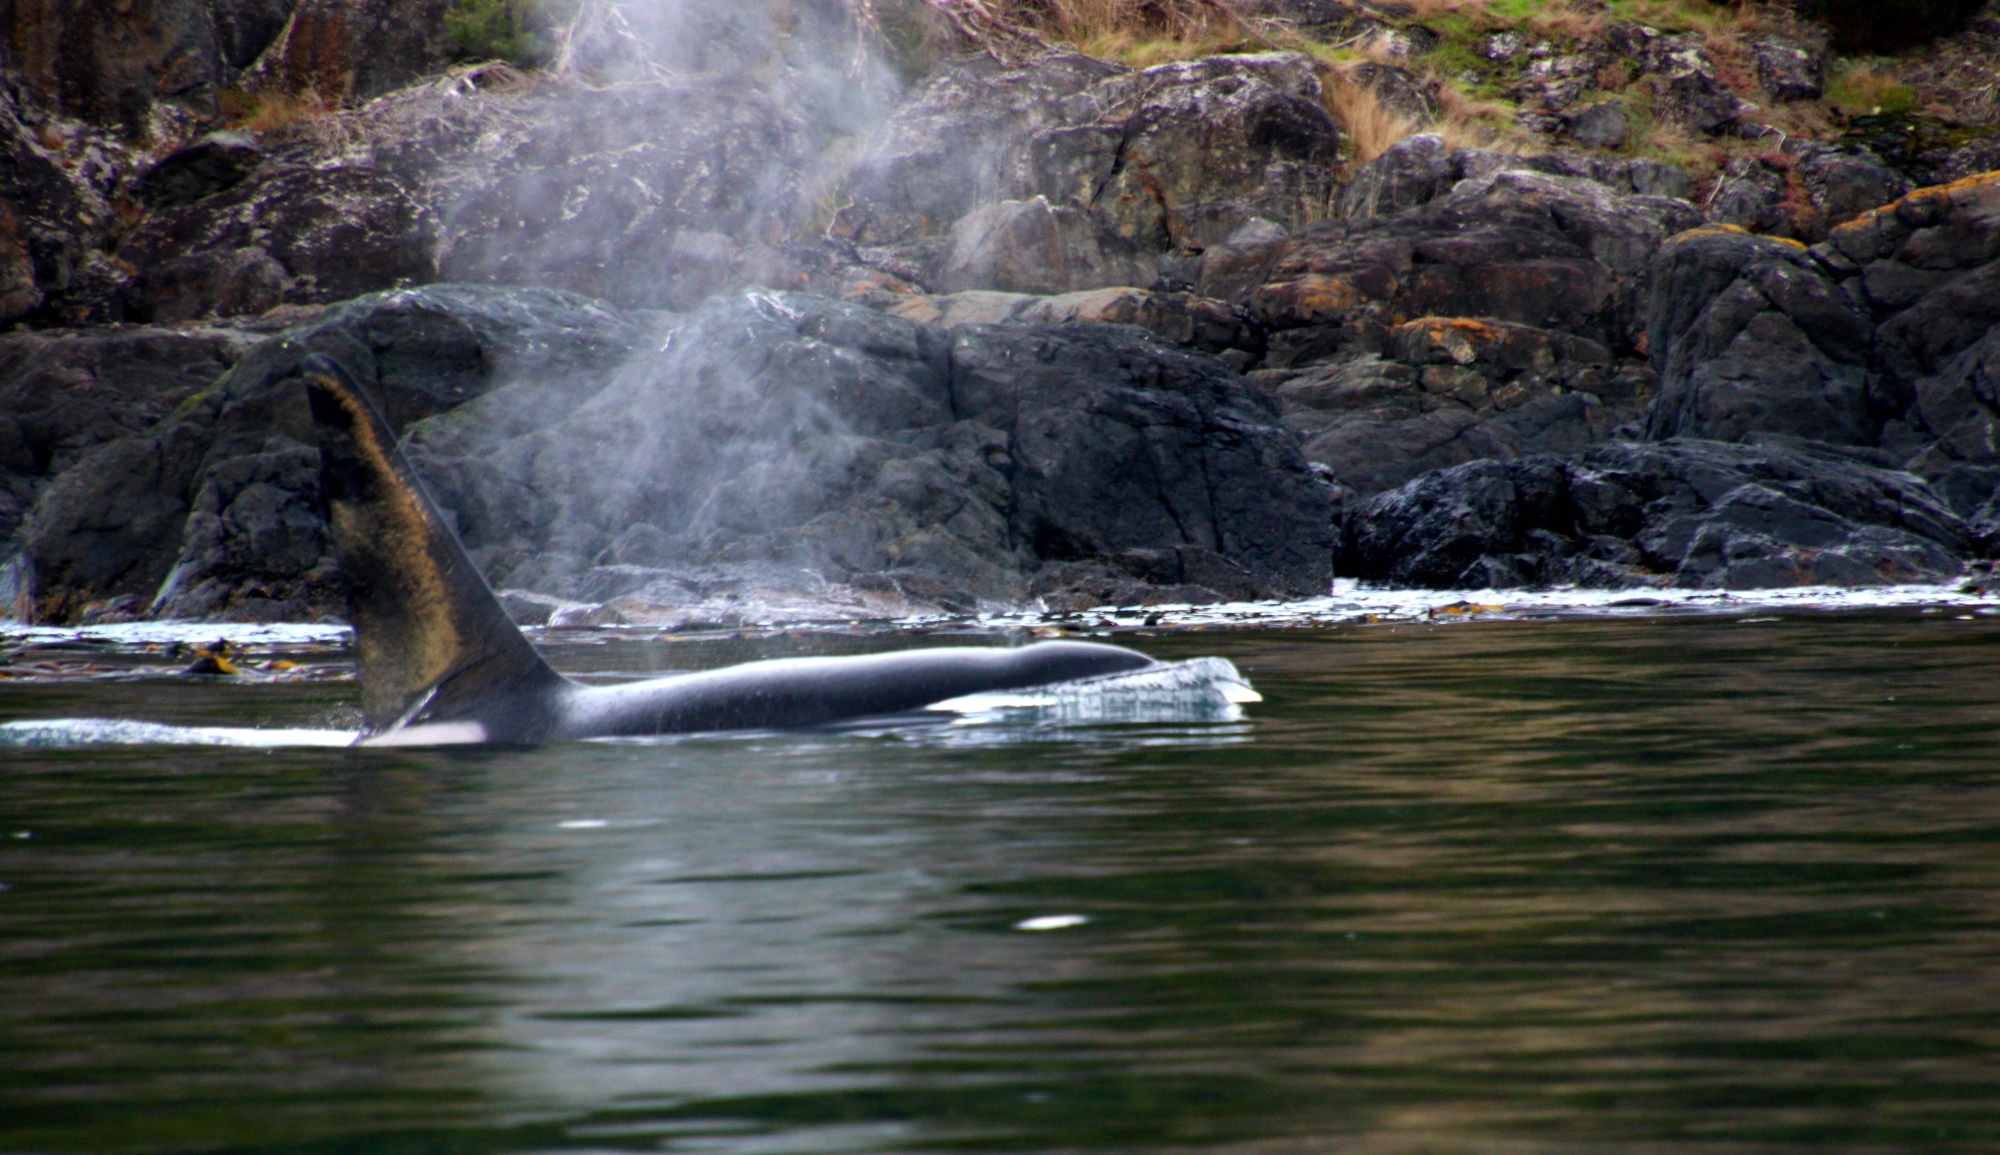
{"points": [[436, 650]]}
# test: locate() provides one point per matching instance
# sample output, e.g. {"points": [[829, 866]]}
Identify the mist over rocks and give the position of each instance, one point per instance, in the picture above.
{"points": [[212, 510], [722, 320], [1173, 157], [985, 464]]}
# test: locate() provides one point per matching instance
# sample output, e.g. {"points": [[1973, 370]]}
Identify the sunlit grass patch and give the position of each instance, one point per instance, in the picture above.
{"points": [[1863, 90]]}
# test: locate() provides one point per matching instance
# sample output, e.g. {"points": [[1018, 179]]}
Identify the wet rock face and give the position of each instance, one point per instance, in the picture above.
{"points": [[778, 441], [793, 432], [111, 62], [1690, 514], [1751, 337], [650, 197], [1176, 156], [1550, 252], [64, 392], [286, 234], [1927, 271], [212, 512], [58, 181], [1450, 390]]}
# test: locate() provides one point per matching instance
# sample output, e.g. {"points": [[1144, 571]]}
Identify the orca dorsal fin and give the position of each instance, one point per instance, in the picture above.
{"points": [[432, 641]]}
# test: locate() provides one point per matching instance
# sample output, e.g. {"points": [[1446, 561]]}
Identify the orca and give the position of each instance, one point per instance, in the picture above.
{"points": [[442, 663]]}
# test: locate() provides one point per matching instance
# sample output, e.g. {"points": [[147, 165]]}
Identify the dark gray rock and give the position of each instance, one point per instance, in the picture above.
{"points": [[1842, 184], [918, 175], [1751, 337], [245, 28], [1928, 267], [1787, 69], [1033, 247], [1447, 391], [115, 64], [1601, 125], [1552, 83], [1397, 89], [1697, 100], [217, 161], [1751, 195], [65, 392], [1550, 252], [1958, 410], [58, 182], [1420, 169], [1412, 172], [1690, 514]]}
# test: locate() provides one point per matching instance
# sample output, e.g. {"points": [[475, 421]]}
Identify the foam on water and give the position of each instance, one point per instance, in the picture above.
{"points": [[1197, 690], [272, 635], [124, 732], [1348, 601]]}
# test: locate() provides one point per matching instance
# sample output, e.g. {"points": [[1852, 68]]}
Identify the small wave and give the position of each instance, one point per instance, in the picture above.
{"points": [[1196, 690], [121, 732]]}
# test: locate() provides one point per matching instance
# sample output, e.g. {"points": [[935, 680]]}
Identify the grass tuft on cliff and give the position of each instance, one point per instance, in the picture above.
{"points": [[524, 33]]}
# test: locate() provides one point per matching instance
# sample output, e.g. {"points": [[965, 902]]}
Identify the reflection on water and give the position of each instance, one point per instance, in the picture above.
{"points": [[1711, 884]]}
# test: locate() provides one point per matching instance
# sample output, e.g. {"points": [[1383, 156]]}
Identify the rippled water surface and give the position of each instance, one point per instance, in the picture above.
{"points": [[1720, 883]]}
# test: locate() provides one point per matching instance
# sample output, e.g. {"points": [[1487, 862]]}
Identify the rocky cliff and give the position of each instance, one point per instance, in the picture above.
{"points": [[772, 331]]}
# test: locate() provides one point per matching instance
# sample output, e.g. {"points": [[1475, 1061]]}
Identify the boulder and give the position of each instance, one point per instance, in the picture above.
{"points": [[1601, 125], [1688, 514], [1698, 101], [1553, 252], [1751, 337], [1928, 268], [1841, 184], [1451, 390], [800, 434], [1750, 195], [217, 161], [1035, 127], [1787, 69], [1552, 83], [1958, 411], [1033, 247]]}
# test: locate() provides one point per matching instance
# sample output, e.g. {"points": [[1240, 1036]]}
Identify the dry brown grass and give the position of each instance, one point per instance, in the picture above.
{"points": [[263, 111], [1135, 31], [1368, 125]]}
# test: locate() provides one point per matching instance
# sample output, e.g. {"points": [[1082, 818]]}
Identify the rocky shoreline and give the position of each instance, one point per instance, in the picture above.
{"points": [[1061, 331]]}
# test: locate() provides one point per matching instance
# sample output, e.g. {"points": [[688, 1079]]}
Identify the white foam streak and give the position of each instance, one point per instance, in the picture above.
{"points": [[122, 732], [1197, 690]]}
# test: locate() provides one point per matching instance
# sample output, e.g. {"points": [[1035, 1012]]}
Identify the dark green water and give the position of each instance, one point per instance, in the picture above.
{"points": [[1640, 886]]}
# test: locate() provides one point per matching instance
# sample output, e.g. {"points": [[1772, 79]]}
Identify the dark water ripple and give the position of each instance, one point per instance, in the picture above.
{"points": [[1695, 885]]}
